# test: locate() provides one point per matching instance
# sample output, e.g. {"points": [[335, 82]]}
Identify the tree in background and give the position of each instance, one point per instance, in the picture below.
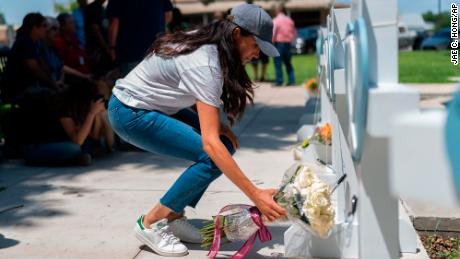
{"points": [[440, 20], [65, 8]]}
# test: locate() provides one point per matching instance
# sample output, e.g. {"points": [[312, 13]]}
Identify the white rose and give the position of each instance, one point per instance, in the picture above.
{"points": [[318, 207], [319, 187], [304, 192], [304, 178]]}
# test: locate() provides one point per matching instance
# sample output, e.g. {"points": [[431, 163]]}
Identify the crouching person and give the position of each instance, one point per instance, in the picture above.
{"points": [[67, 130]]}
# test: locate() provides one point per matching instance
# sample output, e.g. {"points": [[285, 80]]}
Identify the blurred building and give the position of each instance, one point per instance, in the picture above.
{"points": [[303, 12], [415, 22]]}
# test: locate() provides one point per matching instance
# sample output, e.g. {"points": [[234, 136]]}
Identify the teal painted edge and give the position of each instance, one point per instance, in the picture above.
{"points": [[331, 64], [362, 90], [452, 138]]}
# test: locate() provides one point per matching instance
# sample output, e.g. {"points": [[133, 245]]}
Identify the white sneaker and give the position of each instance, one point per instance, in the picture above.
{"points": [[159, 238], [185, 231]]}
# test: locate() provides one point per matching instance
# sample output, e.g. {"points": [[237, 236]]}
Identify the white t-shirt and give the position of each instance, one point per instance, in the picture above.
{"points": [[169, 85]]}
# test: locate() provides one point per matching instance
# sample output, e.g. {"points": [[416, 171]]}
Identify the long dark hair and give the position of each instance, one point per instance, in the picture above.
{"points": [[30, 21], [75, 101], [237, 89]]}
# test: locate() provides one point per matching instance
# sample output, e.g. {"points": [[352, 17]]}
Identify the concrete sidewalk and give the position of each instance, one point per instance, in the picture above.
{"points": [[89, 212], [433, 96], [428, 91]]}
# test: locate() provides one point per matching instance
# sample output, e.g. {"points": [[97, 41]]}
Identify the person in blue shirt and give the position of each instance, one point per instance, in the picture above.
{"points": [[80, 21]]}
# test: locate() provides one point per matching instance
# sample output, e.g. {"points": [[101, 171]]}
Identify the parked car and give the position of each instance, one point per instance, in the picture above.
{"points": [[305, 41], [421, 35], [440, 40], [414, 23], [406, 37]]}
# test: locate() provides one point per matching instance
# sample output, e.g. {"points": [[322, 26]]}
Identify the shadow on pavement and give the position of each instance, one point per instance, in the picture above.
{"points": [[23, 184], [263, 128], [6, 242], [270, 128], [228, 249]]}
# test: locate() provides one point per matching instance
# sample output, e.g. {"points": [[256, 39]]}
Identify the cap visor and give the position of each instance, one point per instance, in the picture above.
{"points": [[267, 47]]}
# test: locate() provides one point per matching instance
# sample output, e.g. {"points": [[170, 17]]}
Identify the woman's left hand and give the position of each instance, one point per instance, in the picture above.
{"points": [[226, 131]]}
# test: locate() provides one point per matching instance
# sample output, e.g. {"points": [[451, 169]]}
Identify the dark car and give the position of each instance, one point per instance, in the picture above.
{"points": [[440, 40], [305, 41]]}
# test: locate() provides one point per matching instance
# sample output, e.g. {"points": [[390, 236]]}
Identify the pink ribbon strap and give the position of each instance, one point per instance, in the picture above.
{"points": [[216, 241], [263, 234]]}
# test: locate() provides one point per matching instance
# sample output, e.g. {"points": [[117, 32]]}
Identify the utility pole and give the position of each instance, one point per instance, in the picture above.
{"points": [[439, 7], [54, 6]]}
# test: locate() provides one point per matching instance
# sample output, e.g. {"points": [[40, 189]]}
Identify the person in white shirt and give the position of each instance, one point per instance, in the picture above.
{"points": [[150, 109]]}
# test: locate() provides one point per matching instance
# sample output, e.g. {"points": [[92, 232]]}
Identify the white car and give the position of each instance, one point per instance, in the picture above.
{"points": [[406, 37]]}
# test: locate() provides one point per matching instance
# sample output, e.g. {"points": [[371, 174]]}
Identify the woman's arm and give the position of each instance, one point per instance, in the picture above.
{"points": [[79, 135], [97, 34], [37, 71], [213, 146], [71, 71], [113, 35]]}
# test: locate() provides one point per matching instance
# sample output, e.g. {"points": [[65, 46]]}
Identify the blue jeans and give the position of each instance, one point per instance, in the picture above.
{"points": [[178, 136], [285, 57]]}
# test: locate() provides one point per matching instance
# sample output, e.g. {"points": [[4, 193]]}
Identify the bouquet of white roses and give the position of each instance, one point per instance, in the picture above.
{"points": [[304, 195], [307, 199]]}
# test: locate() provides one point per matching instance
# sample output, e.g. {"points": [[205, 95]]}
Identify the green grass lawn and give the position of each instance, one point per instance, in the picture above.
{"points": [[426, 67], [414, 67], [304, 68]]}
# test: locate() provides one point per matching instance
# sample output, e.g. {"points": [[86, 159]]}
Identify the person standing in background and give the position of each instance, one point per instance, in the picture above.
{"points": [[75, 58], [133, 28], [79, 19], [96, 40], [263, 60], [284, 33]]}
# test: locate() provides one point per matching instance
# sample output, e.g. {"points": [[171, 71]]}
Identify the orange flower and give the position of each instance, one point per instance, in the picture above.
{"points": [[326, 132], [312, 85]]}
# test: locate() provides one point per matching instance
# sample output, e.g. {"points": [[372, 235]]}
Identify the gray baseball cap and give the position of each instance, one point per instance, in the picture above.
{"points": [[255, 20]]}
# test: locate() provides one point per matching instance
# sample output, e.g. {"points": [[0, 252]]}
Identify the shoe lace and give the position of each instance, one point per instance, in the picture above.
{"points": [[167, 235]]}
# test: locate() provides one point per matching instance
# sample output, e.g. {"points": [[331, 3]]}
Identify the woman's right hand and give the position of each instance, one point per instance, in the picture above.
{"points": [[97, 106], [263, 199]]}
